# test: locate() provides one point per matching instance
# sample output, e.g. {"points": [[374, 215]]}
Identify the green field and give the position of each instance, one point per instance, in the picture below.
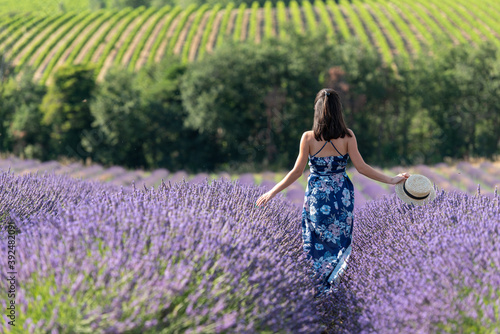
{"points": [[42, 6], [47, 37]]}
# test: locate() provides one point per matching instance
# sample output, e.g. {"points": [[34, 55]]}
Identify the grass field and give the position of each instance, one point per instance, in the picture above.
{"points": [[42, 6]]}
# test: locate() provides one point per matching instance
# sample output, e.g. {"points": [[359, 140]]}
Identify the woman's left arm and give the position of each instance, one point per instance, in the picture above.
{"points": [[292, 176]]}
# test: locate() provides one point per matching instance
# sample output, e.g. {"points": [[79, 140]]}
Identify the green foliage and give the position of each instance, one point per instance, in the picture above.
{"points": [[129, 3], [372, 99], [253, 99], [21, 99], [66, 110], [245, 105], [139, 122], [169, 144], [282, 19], [56, 35], [44, 7], [296, 16], [30, 35], [309, 15], [464, 103], [5, 111], [99, 22], [11, 27], [97, 4], [119, 123], [339, 20], [325, 19]]}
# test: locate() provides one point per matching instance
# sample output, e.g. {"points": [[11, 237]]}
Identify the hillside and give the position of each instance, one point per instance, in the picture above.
{"points": [[135, 37]]}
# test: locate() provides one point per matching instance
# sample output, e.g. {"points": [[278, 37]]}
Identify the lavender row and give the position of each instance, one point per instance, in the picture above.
{"points": [[466, 176], [182, 257], [479, 175], [28, 194], [428, 269]]}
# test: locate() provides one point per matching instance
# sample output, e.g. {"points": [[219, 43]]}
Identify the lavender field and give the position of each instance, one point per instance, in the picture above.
{"points": [[463, 176], [201, 258]]}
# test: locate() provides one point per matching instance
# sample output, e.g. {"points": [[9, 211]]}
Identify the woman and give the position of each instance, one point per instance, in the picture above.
{"points": [[327, 219]]}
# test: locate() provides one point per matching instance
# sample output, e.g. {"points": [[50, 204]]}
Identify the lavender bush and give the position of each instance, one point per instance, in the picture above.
{"points": [[479, 175], [89, 172], [183, 258], [201, 258], [426, 269], [155, 178], [31, 193], [246, 179]]}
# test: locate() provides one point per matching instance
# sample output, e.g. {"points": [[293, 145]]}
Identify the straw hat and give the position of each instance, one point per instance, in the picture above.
{"points": [[417, 189]]}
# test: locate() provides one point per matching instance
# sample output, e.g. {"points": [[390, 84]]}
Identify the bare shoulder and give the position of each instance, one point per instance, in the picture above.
{"points": [[350, 132], [307, 135]]}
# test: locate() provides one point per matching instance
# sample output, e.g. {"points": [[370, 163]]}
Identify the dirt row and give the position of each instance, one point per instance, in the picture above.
{"points": [[408, 14]]}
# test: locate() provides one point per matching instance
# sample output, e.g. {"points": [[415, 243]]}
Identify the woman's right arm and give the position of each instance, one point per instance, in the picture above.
{"points": [[363, 168]]}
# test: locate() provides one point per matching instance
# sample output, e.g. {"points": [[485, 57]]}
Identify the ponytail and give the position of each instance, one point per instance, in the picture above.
{"points": [[326, 109], [328, 116]]}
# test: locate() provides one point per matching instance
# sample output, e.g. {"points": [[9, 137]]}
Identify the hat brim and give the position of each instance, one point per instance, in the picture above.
{"points": [[405, 198]]}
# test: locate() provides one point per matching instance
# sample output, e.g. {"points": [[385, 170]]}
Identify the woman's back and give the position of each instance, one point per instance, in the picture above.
{"points": [[322, 149]]}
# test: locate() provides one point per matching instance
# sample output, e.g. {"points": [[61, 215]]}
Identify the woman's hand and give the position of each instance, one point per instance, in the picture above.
{"points": [[400, 178], [265, 198]]}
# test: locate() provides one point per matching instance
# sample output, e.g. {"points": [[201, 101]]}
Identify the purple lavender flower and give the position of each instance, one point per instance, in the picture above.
{"points": [[196, 257]]}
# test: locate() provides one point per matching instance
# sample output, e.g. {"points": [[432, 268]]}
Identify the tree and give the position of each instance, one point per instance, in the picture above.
{"points": [[119, 127], [256, 102], [5, 109], [26, 132], [461, 87], [169, 143], [66, 110]]}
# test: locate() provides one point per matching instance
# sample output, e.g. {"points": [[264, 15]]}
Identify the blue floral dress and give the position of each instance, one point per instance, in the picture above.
{"points": [[327, 219]]}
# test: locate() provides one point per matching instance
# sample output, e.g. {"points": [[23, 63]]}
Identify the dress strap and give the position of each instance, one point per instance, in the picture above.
{"points": [[335, 147], [320, 149]]}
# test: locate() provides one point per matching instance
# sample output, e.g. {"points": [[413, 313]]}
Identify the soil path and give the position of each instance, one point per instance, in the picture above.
{"points": [[143, 57], [40, 35], [259, 26], [245, 23], [195, 45], [91, 42], [163, 46], [112, 55], [212, 39], [138, 37], [179, 43], [76, 42], [231, 23], [77, 29]]}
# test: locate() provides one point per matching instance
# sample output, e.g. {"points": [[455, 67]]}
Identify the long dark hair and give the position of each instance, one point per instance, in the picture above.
{"points": [[328, 118]]}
